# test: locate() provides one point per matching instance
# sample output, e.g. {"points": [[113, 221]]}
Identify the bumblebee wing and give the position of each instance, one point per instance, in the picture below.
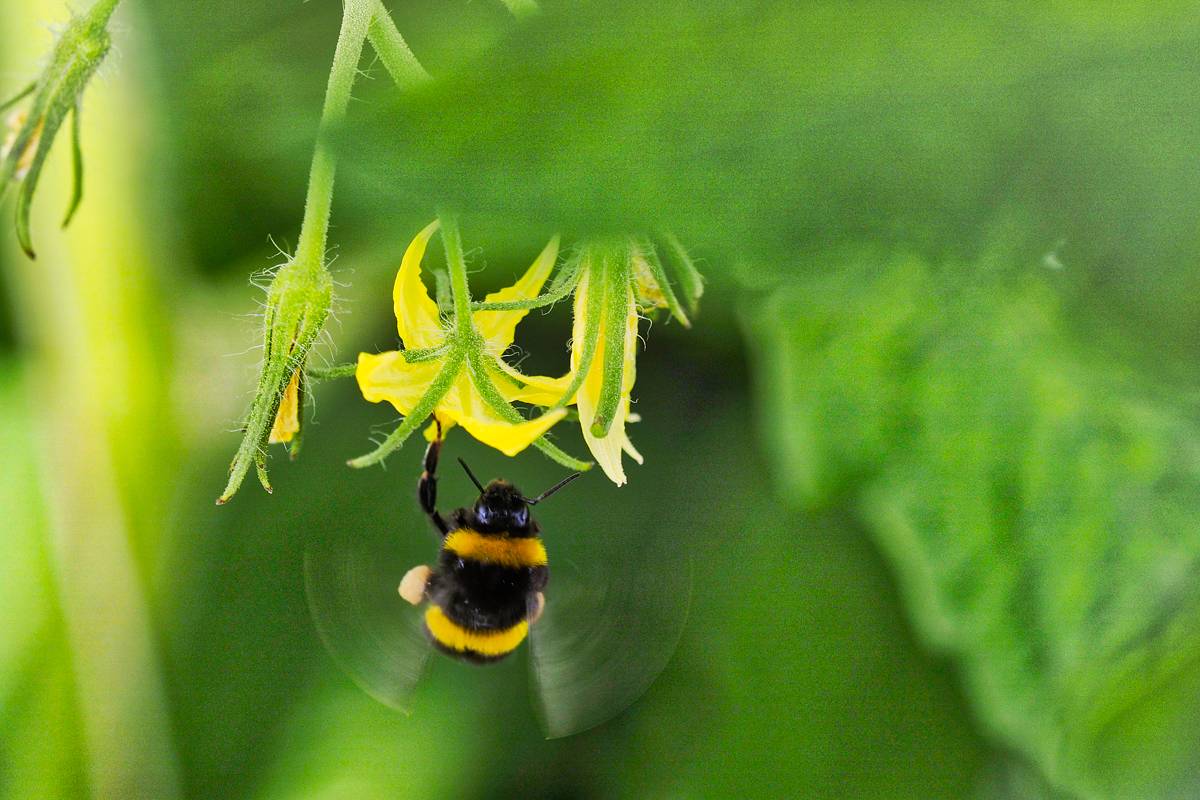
{"points": [[372, 634], [614, 612]]}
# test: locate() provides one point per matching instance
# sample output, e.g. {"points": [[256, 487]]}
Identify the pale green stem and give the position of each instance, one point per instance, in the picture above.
{"points": [[100, 352], [457, 266], [103, 10], [314, 231], [393, 51]]}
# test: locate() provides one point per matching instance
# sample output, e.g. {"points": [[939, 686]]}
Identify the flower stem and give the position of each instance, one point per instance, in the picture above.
{"points": [[356, 21], [393, 51], [103, 10], [457, 265]]}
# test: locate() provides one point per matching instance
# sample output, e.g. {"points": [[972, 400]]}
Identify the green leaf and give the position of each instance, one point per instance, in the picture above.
{"points": [[1039, 504], [763, 125]]}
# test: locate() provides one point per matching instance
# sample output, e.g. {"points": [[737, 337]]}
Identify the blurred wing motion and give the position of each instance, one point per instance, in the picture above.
{"points": [[372, 634], [611, 623]]}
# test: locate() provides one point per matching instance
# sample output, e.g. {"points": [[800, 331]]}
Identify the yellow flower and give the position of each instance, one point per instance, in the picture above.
{"points": [[595, 314], [606, 449], [403, 378]]}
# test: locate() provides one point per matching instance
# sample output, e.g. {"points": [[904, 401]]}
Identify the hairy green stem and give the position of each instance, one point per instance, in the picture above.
{"points": [[393, 51], [356, 21], [417, 355], [103, 10], [459, 290]]}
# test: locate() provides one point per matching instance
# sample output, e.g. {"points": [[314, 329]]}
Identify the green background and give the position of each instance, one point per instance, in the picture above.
{"points": [[932, 444]]}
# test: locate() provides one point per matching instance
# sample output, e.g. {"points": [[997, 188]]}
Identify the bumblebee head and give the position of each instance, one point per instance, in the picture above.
{"points": [[502, 507]]}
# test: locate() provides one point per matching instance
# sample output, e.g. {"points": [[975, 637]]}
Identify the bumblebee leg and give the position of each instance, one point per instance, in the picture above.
{"points": [[427, 486], [412, 587]]}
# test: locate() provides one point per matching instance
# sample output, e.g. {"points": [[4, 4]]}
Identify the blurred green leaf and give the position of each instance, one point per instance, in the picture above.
{"points": [[764, 127], [1040, 505]]}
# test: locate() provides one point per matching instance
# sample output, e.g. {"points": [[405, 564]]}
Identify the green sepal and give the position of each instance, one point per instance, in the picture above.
{"points": [[482, 379], [618, 297], [76, 167], [441, 283], [564, 284], [260, 467], [316, 374], [76, 56], [437, 389], [18, 97], [691, 282], [417, 355], [298, 303], [592, 262], [655, 265]]}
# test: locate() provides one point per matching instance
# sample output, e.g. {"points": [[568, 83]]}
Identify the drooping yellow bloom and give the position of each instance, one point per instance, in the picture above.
{"points": [[606, 449], [391, 377]]}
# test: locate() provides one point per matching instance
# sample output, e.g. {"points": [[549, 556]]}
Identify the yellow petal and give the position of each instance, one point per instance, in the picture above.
{"points": [[506, 437], [417, 317], [499, 327], [538, 390], [287, 418], [387, 376], [431, 430]]}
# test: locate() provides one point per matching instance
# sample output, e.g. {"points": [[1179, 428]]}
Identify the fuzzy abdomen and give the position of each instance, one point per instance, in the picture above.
{"points": [[480, 592]]}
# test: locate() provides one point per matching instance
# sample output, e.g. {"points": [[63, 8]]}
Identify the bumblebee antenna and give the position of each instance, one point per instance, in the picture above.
{"points": [[471, 475], [552, 489]]}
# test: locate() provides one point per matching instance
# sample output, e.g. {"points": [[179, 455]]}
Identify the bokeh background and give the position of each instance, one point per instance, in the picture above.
{"points": [[932, 445]]}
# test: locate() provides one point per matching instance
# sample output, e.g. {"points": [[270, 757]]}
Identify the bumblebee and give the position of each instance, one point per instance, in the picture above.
{"points": [[597, 639], [487, 588]]}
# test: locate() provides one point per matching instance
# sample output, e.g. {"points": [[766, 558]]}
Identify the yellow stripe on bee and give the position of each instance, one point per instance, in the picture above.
{"points": [[455, 637], [501, 550]]}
